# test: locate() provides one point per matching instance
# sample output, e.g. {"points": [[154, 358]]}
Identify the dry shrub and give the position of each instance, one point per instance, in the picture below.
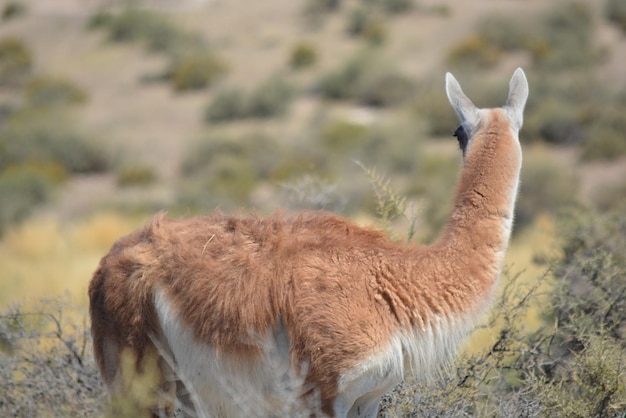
{"points": [[46, 362]]}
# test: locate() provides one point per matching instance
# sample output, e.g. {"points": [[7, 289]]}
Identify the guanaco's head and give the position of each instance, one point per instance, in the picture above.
{"points": [[471, 117]]}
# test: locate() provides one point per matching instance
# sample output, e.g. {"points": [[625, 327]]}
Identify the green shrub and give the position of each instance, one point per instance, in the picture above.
{"points": [[546, 187], [615, 11], [303, 55], [605, 141], [12, 10], [604, 136], [389, 6], [437, 175], [366, 78], [153, 29], [502, 32], [474, 51], [565, 40], [311, 193], [342, 83], [21, 190], [53, 91], [494, 36], [367, 24], [556, 121], [384, 88], [16, 62], [341, 136], [224, 170], [136, 175], [228, 104], [609, 196], [432, 106], [195, 70], [314, 12], [48, 136], [398, 6], [561, 109], [270, 99]]}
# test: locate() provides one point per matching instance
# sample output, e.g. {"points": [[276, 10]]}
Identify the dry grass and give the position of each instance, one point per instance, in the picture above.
{"points": [[41, 258]]}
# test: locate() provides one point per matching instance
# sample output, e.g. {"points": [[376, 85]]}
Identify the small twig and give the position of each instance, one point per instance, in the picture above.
{"points": [[207, 243]]}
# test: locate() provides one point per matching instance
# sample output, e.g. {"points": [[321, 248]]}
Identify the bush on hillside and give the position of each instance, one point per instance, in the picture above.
{"points": [[368, 24], [46, 363], [474, 51], [53, 91], [269, 99], [227, 104], [546, 188], [151, 28], [195, 70], [303, 55], [566, 38], [22, 188], [16, 62], [366, 79], [12, 10], [604, 137], [615, 11], [223, 170], [192, 64], [48, 136], [136, 175]]}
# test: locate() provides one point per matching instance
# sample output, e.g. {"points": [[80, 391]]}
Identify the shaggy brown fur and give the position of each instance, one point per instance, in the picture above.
{"points": [[340, 291]]}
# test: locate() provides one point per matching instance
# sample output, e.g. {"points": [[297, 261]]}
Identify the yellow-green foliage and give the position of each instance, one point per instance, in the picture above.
{"points": [[136, 175], [269, 99], [196, 70], [616, 13], [53, 91], [49, 135], [16, 62], [41, 257], [303, 55], [546, 186], [46, 362], [342, 136], [12, 10], [475, 51], [367, 78]]}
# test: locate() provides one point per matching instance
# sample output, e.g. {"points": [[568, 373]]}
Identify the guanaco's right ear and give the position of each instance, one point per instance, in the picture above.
{"points": [[516, 101], [462, 105]]}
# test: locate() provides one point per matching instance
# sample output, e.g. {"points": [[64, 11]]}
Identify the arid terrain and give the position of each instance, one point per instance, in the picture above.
{"points": [[111, 111]]}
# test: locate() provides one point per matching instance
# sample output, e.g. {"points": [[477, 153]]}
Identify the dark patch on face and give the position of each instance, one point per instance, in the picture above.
{"points": [[461, 136]]}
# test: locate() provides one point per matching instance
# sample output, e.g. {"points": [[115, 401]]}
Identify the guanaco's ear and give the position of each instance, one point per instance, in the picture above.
{"points": [[516, 101], [462, 105]]}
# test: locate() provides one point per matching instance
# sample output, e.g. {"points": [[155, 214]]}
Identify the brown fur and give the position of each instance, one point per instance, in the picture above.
{"points": [[341, 291]]}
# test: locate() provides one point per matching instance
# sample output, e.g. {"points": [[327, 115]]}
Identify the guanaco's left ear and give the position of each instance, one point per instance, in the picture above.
{"points": [[462, 105], [518, 93]]}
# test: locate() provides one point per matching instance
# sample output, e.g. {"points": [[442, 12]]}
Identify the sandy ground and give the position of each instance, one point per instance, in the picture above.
{"points": [[151, 124]]}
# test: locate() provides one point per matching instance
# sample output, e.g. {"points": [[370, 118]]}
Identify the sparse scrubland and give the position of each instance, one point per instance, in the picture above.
{"points": [[333, 118]]}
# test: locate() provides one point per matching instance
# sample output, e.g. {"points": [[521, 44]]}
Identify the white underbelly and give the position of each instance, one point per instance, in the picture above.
{"points": [[222, 387]]}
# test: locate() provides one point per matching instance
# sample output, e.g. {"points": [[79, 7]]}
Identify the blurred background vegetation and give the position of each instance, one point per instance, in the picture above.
{"points": [[112, 110]]}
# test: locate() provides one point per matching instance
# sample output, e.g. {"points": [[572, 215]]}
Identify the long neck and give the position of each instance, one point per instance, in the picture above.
{"points": [[467, 259], [479, 227], [483, 207]]}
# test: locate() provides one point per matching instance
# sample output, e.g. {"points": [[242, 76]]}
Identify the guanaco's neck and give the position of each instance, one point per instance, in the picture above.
{"points": [[482, 213], [466, 261]]}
